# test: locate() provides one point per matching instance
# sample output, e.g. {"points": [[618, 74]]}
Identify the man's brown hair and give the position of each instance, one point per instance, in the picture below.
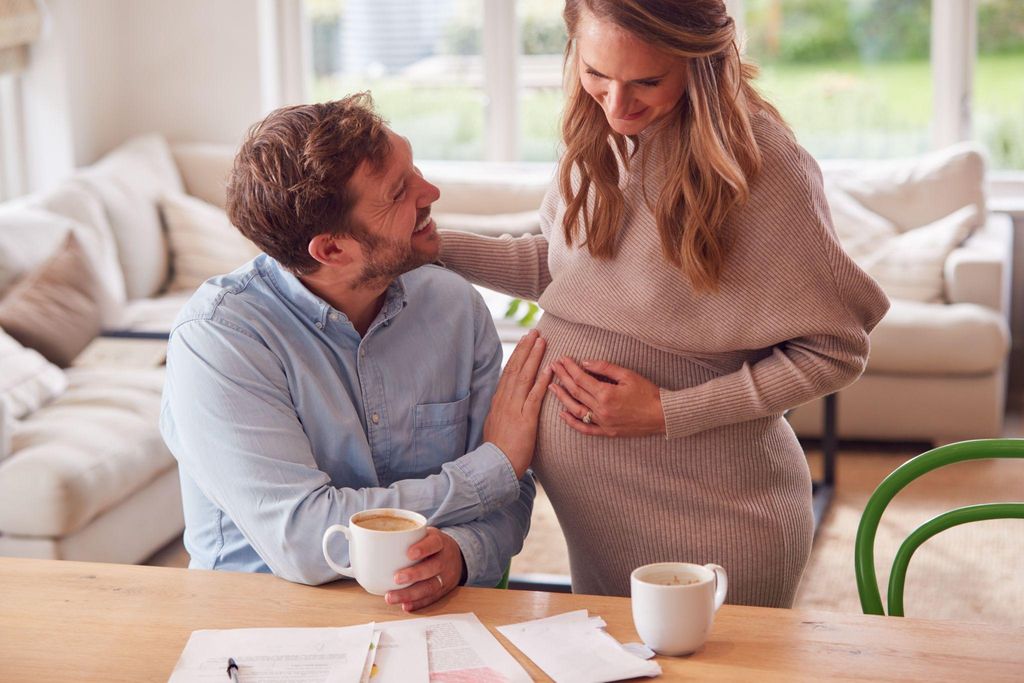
{"points": [[290, 177]]}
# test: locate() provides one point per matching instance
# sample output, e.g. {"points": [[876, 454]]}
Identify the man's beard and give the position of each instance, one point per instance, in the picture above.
{"points": [[386, 259]]}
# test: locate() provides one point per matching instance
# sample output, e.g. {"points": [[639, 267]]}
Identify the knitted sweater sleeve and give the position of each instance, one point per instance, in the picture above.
{"points": [[514, 266], [809, 288]]}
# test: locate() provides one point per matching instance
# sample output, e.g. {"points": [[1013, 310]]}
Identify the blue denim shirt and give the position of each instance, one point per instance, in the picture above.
{"points": [[285, 421]]}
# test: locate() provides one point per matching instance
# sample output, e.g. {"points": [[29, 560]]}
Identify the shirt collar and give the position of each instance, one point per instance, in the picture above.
{"points": [[314, 308]]}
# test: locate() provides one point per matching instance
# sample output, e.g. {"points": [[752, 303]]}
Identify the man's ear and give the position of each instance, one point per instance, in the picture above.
{"points": [[333, 250]]}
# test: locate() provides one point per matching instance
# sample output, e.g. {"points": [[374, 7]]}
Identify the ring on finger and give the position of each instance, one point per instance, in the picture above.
{"points": [[588, 418], [440, 581]]}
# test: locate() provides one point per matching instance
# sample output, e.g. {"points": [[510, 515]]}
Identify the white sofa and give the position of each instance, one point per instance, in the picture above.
{"points": [[87, 476]]}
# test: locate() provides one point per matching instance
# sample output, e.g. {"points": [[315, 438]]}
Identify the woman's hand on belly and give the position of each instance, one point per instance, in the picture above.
{"points": [[602, 399]]}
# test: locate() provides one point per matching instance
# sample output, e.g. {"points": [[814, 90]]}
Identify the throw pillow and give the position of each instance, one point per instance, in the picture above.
{"points": [[910, 265], [920, 190], [27, 380], [55, 309], [203, 241], [859, 230]]}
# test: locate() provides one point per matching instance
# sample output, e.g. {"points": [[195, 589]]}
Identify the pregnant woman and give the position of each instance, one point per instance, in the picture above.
{"points": [[693, 291]]}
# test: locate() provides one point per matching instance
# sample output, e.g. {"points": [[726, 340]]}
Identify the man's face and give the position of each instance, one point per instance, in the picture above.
{"points": [[393, 208]]}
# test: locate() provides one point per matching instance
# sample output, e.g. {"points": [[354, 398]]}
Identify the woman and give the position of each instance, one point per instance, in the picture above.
{"points": [[693, 291]]}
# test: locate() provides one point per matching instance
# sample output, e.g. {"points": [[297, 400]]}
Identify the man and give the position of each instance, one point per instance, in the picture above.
{"points": [[338, 372]]}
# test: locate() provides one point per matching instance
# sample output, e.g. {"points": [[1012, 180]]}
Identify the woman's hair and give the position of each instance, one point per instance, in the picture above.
{"points": [[290, 177], [710, 147]]}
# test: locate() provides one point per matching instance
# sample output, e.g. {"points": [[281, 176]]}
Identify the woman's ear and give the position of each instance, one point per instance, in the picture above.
{"points": [[332, 250]]}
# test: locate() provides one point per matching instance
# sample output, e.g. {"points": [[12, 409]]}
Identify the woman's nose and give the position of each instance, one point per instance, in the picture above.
{"points": [[618, 100]]}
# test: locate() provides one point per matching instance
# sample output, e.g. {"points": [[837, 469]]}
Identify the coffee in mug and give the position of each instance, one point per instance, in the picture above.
{"points": [[378, 541], [674, 604]]}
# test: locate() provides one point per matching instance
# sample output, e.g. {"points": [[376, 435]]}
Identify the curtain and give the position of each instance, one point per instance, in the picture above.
{"points": [[20, 23]]}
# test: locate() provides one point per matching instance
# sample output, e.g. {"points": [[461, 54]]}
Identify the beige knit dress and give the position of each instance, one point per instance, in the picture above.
{"points": [[728, 483]]}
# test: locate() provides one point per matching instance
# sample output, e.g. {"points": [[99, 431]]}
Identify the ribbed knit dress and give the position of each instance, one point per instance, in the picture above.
{"points": [[728, 483]]}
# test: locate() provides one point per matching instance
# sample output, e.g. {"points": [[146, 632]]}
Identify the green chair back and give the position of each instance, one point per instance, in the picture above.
{"points": [[503, 584], [864, 552]]}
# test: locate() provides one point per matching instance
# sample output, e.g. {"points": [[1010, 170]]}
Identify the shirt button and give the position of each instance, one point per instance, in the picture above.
{"points": [[334, 316], [375, 418], [362, 353], [319, 325]]}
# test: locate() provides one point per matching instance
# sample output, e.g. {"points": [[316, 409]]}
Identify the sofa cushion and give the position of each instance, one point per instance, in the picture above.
{"points": [[84, 453], [938, 339], [129, 181], [203, 241], [859, 229], [27, 380], [55, 310], [915, 191], [911, 265], [6, 427], [30, 235], [204, 169], [156, 314], [495, 225]]}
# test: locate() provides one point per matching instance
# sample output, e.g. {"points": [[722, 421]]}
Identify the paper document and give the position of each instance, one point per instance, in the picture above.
{"points": [[461, 649], [401, 653], [574, 648], [276, 655]]}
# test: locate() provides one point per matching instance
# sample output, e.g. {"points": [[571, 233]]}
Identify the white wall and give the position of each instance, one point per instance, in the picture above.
{"points": [[106, 70]]}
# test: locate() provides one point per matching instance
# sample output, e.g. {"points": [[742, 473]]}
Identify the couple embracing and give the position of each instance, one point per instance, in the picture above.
{"points": [[693, 290]]}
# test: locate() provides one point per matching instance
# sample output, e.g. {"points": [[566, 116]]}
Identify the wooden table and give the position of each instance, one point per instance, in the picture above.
{"points": [[74, 621]]}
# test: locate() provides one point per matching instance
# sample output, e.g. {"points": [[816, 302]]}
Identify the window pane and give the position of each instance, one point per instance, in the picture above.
{"points": [[421, 60], [851, 77], [542, 34], [999, 82]]}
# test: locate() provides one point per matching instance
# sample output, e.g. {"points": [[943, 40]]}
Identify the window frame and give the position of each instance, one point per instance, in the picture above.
{"points": [[287, 67]]}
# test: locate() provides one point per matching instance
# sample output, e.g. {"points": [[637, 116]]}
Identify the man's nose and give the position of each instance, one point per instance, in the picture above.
{"points": [[618, 100], [429, 193]]}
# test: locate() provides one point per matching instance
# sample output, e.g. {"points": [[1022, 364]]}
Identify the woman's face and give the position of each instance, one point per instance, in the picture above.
{"points": [[635, 83]]}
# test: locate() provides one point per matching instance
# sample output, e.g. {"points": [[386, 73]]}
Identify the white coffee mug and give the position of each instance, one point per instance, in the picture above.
{"points": [[375, 555], [674, 604]]}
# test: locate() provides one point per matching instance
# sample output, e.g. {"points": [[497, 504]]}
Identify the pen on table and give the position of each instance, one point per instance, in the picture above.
{"points": [[232, 670]]}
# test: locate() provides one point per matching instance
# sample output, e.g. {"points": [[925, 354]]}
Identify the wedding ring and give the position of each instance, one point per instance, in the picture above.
{"points": [[588, 418], [440, 581]]}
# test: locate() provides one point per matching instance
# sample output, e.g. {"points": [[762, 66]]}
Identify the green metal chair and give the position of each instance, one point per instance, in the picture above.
{"points": [[503, 584], [864, 552]]}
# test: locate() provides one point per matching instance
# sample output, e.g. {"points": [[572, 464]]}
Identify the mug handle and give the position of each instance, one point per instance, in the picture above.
{"points": [[721, 584], [336, 529]]}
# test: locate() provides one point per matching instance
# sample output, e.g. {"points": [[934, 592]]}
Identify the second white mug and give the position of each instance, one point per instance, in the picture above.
{"points": [[378, 540], [674, 604]]}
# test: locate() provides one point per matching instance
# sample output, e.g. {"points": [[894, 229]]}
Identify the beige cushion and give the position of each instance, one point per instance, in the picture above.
{"points": [[948, 339], [84, 453], [860, 230], [910, 265], [514, 224], [129, 181], [6, 427], [204, 169], [203, 241], [157, 314], [29, 236], [27, 380], [913, 192], [55, 310]]}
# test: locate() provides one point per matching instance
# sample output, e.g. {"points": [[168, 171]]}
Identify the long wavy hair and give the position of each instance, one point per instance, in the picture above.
{"points": [[711, 151]]}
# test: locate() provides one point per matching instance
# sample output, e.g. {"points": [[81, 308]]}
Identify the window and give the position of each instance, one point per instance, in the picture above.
{"points": [[542, 38], [999, 81], [421, 60], [851, 77], [481, 79]]}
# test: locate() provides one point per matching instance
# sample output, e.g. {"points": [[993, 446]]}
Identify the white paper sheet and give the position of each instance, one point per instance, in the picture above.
{"points": [[401, 653], [460, 648], [371, 658], [276, 655], [574, 648]]}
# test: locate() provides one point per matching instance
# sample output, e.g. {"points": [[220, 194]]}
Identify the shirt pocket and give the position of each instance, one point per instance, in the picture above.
{"points": [[440, 433]]}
